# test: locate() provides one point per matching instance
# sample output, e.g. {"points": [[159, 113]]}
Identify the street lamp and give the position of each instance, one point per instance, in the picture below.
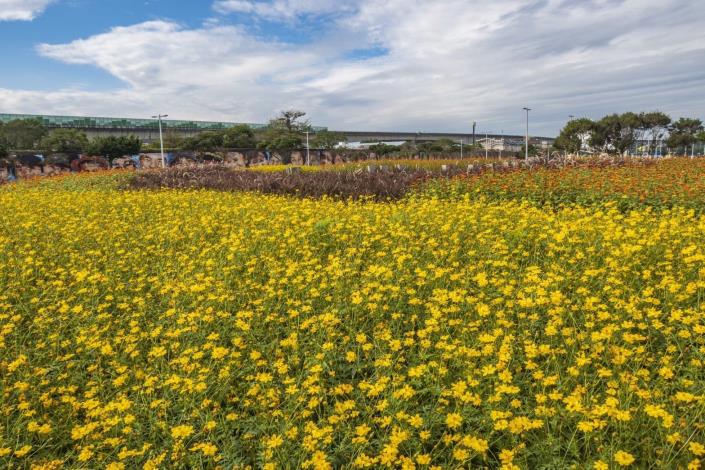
{"points": [[308, 153], [161, 138], [526, 145]]}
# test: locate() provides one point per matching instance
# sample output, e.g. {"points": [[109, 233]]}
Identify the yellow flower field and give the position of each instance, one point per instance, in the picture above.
{"points": [[200, 329]]}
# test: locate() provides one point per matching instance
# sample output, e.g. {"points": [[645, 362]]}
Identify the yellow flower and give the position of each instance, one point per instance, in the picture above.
{"points": [[181, 432], [206, 448], [453, 420], [85, 454], [274, 441], [24, 450], [600, 465], [697, 449], [623, 458]]}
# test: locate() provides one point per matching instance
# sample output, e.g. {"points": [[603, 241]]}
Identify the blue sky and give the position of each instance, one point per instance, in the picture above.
{"points": [[409, 65]]}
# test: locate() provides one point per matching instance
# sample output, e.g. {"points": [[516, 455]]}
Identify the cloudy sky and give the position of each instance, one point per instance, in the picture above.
{"points": [[412, 65]]}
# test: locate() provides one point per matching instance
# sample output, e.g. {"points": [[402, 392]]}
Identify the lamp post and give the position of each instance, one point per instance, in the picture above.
{"points": [[526, 145], [161, 137], [308, 153]]}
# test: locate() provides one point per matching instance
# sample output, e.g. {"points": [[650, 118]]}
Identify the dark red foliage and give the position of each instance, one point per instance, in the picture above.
{"points": [[378, 184]]}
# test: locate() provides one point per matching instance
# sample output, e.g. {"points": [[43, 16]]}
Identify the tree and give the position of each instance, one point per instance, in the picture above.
{"points": [[69, 141], [447, 145], [290, 120], [574, 135], [204, 142], [683, 133], [700, 137], [172, 140], [241, 137], [615, 133], [382, 149], [426, 149], [4, 146], [114, 147], [328, 140], [653, 127], [281, 140], [533, 150], [23, 134], [284, 134]]}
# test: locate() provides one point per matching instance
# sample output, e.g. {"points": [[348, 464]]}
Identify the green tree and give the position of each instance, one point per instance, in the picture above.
{"points": [[700, 137], [533, 151], [4, 149], [70, 141], [291, 121], [615, 133], [445, 145], [4, 146], [282, 141], [172, 140], [240, 137], [683, 133], [573, 135], [23, 134], [285, 134], [382, 150], [204, 142], [653, 127], [114, 147], [328, 140]]}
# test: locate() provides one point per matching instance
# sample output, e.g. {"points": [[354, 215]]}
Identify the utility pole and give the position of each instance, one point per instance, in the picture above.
{"points": [[161, 138], [473, 132], [526, 146]]}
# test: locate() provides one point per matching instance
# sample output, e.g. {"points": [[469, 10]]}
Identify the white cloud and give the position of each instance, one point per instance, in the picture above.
{"points": [[22, 10], [446, 63]]}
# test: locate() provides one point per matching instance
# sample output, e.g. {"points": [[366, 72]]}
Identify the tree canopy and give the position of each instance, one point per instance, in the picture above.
{"points": [[112, 147], [23, 134], [683, 133], [204, 141], [328, 140], [574, 135], [240, 136], [70, 141], [382, 149]]}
